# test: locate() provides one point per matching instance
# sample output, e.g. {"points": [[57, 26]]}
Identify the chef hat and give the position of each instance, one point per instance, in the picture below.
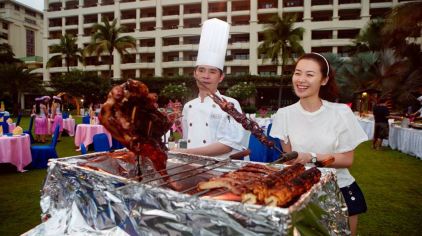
{"points": [[419, 98], [38, 99], [57, 98], [213, 43], [45, 97]]}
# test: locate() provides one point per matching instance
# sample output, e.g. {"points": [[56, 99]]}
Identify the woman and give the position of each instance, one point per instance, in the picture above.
{"points": [[319, 129], [56, 115], [41, 121]]}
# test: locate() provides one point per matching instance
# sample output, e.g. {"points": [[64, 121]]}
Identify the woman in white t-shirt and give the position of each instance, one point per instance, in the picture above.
{"points": [[318, 129]]}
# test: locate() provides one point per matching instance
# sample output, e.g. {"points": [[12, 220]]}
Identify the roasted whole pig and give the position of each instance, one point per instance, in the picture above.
{"points": [[131, 117]]}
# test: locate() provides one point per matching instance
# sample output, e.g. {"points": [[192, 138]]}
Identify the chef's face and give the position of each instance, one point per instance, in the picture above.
{"points": [[308, 78], [208, 77]]}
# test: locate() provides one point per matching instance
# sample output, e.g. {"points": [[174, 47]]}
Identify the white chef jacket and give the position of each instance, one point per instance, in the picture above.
{"points": [[205, 123]]}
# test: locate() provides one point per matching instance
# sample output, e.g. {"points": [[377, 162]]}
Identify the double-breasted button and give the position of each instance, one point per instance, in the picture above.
{"points": [[188, 140], [213, 105], [206, 124], [190, 106], [204, 141], [190, 124]]}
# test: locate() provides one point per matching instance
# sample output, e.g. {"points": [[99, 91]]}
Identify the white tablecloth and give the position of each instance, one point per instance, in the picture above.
{"points": [[367, 126], [406, 140]]}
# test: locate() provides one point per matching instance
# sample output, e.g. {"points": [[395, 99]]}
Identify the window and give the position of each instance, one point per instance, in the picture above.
{"points": [[30, 43], [30, 21], [5, 26], [17, 8]]}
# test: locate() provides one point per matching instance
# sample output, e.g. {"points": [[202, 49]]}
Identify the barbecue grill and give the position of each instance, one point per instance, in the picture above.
{"points": [[83, 196]]}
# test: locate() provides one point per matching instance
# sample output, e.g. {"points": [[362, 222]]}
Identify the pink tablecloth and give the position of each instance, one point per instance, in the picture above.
{"points": [[16, 150], [69, 126], [85, 133]]}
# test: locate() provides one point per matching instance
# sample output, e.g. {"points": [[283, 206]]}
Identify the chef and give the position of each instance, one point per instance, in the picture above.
{"points": [[207, 129]]}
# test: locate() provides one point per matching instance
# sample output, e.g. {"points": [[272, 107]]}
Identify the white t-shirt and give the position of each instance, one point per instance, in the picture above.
{"points": [[331, 129], [205, 123]]}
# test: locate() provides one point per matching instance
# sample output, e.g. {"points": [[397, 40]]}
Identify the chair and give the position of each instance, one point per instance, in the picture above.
{"points": [[65, 115], [116, 144], [101, 143], [86, 120], [41, 153], [29, 130], [273, 154], [83, 149]]}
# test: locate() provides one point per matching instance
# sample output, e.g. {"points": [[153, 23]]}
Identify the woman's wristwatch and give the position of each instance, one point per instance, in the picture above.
{"points": [[313, 157]]}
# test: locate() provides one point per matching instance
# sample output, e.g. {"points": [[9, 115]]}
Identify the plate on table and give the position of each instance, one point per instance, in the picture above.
{"points": [[416, 125]]}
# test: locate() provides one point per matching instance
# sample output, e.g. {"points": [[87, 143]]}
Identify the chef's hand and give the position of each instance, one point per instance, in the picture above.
{"points": [[302, 158]]}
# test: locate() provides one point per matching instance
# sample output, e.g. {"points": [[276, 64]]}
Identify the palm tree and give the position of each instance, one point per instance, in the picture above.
{"points": [[369, 38], [6, 54], [106, 39], [68, 49], [281, 40], [15, 80], [404, 27]]}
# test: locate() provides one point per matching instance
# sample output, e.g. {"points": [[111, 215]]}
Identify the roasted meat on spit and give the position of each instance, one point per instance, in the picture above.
{"points": [[267, 186], [130, 116]]}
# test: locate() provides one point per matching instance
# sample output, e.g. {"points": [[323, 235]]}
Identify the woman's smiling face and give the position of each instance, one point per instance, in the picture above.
{"points": [[307, 79]]}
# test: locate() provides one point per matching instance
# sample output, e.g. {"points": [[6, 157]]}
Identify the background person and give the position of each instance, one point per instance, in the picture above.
{"points": [[56, 115], [319, 129], [207, 129], [40, 112], [381, 114]]}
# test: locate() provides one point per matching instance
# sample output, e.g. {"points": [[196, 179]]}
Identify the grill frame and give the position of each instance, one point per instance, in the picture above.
{"points": [[116, 203]]}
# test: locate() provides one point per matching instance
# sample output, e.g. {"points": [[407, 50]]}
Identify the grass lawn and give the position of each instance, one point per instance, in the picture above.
{"points": [[390, 180]]}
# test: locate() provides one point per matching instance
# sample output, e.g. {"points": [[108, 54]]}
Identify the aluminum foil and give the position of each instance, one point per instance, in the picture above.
{"points": [[79, 201]]}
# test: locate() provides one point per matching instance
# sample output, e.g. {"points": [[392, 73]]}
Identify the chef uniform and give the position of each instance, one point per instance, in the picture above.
{"points": [[204, 122]]}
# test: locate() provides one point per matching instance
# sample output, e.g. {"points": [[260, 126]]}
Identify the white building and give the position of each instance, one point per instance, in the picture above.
{"points": [[21, 27], [167, 31]]}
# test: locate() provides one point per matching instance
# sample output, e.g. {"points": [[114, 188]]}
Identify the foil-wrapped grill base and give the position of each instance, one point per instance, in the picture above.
{"points": [[80, 201]]}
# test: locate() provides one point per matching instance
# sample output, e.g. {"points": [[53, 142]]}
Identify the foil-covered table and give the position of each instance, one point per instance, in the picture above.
{"points": [[80, 201]]}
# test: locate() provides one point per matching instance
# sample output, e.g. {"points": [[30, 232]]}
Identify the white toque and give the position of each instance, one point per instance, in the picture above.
{"points": [[213, 43]]}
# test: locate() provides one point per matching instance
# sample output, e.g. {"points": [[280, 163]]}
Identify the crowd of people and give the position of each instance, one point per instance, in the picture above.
{"points": [[44, 112]]}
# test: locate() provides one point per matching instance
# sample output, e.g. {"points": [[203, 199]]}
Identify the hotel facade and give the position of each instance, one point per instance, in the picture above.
{"points": [[167, 31], [21, 27]]}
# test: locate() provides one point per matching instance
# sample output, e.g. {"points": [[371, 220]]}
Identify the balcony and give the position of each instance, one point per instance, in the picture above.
{"points": [[349, 14], [148, 12], [217, 7], [241, 5], [170, 10], [240, 20], [348, 34], [71, 5], [192, 8], [56, 6], [348, 1], [147, 42], [379, 12], [90, 3], [192, 23], [293, 3], [267, 4], [321, 2], [321, 15], [322, 34], [128, 14]]}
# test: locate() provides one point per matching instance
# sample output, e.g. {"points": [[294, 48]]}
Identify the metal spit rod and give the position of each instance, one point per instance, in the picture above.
{"points": [[196, 168], [217, 165]]}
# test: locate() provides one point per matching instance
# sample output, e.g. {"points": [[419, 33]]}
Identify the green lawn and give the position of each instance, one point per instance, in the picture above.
{"points": [[390, 180]]}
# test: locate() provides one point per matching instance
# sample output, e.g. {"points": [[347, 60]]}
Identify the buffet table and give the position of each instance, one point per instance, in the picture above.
{"points": [[85, 133], [16, 149], [69, 126], [406, 140], [367, 126]]}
